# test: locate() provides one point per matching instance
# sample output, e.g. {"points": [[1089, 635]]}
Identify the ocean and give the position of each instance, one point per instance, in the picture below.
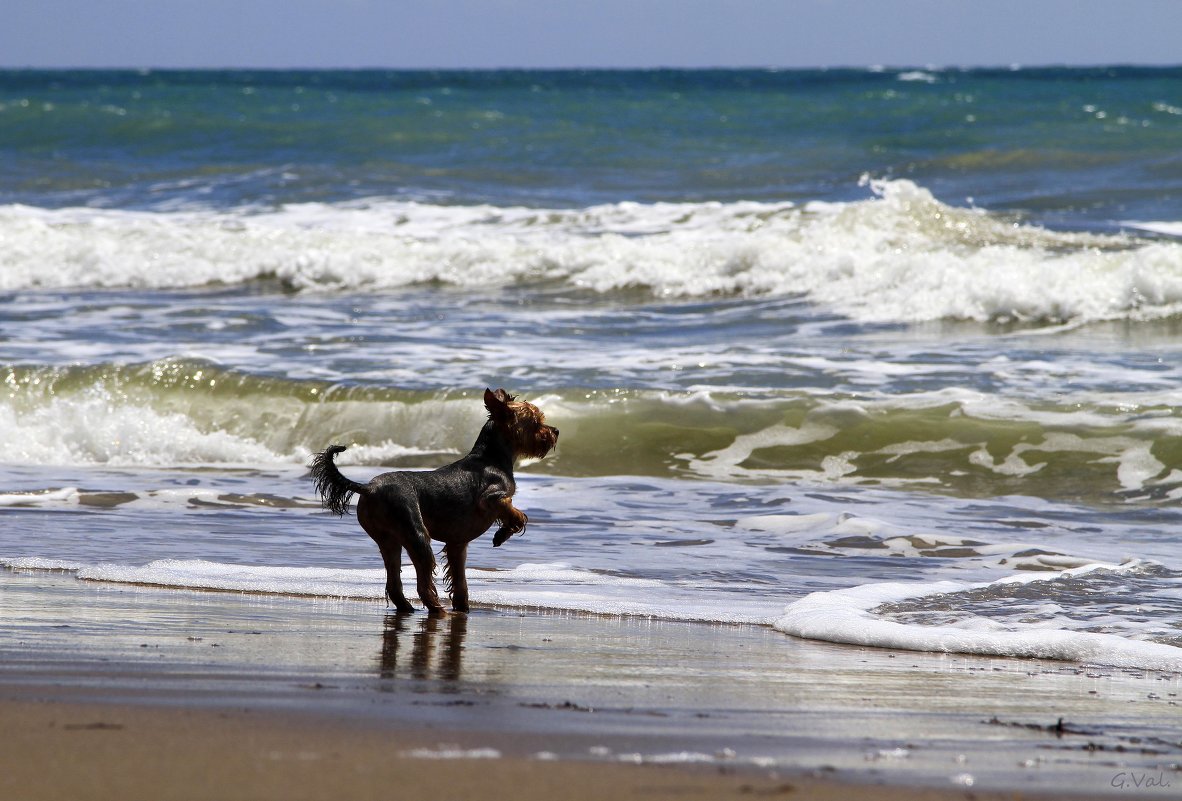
{"points": [[887, 357]]}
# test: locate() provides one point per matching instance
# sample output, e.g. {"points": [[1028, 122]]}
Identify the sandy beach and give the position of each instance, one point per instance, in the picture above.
{"points": [[128, 751], [124, 692]]}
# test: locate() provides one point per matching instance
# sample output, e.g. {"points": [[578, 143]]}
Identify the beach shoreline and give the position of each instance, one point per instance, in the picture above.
{"points": [[167, 683]]}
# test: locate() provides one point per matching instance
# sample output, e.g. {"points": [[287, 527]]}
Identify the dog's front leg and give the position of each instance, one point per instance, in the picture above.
{"points": [[457, 578], [513, 520]]}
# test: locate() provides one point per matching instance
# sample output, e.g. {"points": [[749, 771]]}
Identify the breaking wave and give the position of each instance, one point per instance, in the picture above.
{"points": [[900, 256], [182, 412]]}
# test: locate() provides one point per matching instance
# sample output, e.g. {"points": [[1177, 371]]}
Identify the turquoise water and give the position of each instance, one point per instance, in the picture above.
{"points": [[1070, 146], [903, 338]]}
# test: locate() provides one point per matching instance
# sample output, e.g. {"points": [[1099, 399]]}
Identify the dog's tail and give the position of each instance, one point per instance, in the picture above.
{"points": [[333, 487]]}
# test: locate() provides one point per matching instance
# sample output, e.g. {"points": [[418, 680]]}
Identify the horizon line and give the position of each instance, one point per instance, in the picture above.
{"points": [[1013, 67]]}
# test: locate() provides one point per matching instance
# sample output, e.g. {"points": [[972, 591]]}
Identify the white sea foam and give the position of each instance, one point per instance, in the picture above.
{"points": [[546, 586], [452, 752], [899, 256], [204, 575], [96, 430], [1099, 429], [846, 616], [1157, 227], [673, 758], [840, 616], [917, 76], [139, 421], [34, 563], [51, 497], [153, 426]]}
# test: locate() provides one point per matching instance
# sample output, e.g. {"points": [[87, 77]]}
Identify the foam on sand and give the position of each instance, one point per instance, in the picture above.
{"points": [[848, 616], [536, 585], [851, 616]]}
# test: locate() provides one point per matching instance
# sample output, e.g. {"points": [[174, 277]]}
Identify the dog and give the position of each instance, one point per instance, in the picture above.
{"points": [[454, 504]]}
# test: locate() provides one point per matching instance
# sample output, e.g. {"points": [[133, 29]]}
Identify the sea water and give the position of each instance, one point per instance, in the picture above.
{"points": [[882, 357]]}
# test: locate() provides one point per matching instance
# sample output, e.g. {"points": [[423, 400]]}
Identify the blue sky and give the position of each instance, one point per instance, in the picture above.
{"points": [[587, 33]]}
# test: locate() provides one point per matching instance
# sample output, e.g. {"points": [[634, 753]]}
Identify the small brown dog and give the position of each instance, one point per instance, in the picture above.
{"points": [[453, 505]]}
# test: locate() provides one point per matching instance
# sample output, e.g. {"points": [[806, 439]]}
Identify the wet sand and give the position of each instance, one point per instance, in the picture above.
{"points": [[124, 752], [111, 691]]}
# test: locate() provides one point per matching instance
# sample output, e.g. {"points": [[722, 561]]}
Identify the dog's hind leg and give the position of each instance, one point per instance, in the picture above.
{"points": [[392, 557], [457, 579], [388, 542], [425, 581], [392, 518], [413, 536]]}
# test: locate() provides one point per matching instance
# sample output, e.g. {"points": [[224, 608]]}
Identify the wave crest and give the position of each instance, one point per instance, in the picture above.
{"points": [[184, 412], [898, 256]]}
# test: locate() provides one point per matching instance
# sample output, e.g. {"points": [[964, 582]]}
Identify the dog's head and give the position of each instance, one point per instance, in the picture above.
{"points": [[522, 424]]}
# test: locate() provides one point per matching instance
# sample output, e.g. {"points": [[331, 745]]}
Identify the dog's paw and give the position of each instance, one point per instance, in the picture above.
{"points": [[513, 525]]}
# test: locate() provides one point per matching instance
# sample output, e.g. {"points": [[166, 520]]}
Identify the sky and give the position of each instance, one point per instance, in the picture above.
{"points": [[587, 33]]}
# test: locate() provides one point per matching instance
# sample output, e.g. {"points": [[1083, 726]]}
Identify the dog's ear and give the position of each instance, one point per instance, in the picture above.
{"points": [[497, 403]]}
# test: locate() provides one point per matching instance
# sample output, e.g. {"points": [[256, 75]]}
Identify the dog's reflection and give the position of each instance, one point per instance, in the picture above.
{"points": [[436, 647]]}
